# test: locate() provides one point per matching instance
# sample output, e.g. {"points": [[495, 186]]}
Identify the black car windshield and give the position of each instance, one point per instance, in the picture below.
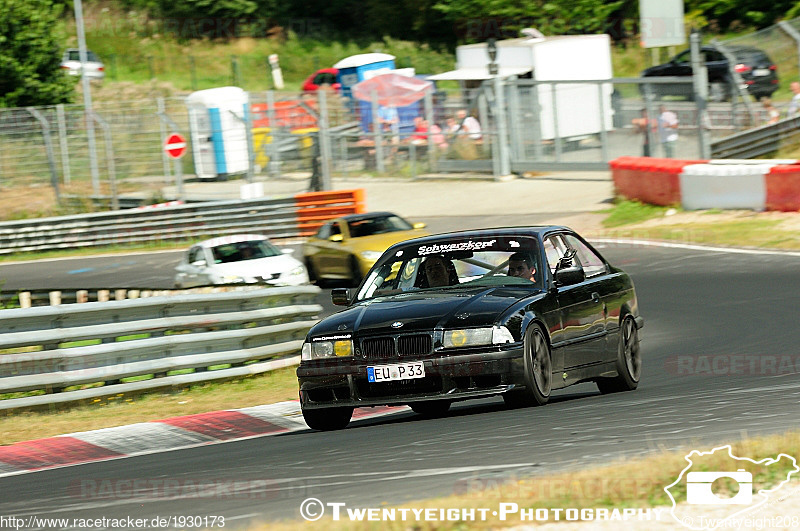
{"points": [[247, 250], [376, 225], [453, 264]]}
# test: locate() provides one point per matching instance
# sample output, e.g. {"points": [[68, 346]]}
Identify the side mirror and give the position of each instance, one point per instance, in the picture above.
{"points": [[340, 296], [419, 225], [570, 275], [336, 238]]}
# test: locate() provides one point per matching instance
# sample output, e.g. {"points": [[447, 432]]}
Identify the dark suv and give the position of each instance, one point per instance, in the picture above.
{"points": [[756, 69]]}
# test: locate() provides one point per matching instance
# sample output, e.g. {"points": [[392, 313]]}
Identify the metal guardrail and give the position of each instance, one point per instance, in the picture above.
{"points": [[67, 351], [274, 218], [755, 142]]}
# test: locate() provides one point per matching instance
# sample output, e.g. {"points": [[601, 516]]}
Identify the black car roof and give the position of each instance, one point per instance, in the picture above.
{"points": [[529, 230]]}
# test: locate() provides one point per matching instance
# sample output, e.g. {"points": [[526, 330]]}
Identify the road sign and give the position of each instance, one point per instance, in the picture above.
{"points": [[175, 146]]}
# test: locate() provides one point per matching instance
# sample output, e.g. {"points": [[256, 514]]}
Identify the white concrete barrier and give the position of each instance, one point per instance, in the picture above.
{"points": [[727, 186]]}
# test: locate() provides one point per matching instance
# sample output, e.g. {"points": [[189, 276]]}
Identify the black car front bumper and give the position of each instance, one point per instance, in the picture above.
{"points": [[340, 383]]}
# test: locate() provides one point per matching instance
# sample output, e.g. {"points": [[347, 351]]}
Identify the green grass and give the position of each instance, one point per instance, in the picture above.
{"points": [[626, 212]]}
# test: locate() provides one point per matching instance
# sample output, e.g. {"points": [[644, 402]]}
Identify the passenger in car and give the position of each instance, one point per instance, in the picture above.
{"points": [[521, 265], [439, 271]]}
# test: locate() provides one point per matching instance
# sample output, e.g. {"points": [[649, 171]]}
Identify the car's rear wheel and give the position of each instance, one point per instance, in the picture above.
{"points": [[538, 372], [430, 408], [629, 360], [355, 271], [328, 419]]}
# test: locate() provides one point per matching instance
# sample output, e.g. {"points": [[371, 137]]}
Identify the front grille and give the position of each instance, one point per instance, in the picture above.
{"points": [[414, 345], [378, 348], [382, 348]]}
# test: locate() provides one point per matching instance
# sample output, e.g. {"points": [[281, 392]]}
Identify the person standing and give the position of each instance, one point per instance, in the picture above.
{"points": [[641, 125], [773, 115], [668, 131], [794, 105]]}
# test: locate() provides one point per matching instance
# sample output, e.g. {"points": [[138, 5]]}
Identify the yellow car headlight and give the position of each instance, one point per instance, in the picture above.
{"points": [[471, 337], [326, 349]]}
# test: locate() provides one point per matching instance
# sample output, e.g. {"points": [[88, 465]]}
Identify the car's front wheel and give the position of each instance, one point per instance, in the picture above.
{"points": [[538, 372], [629, 361], [430, 408], [328, 419]]}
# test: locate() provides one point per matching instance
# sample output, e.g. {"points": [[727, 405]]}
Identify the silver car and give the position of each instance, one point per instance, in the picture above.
{"points": [[238, 259], [71, 63]]}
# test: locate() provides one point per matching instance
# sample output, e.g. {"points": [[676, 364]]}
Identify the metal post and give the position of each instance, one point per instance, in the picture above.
{"points": [[179, 174], [179, 177], [537, 126], [112, 172], [62, 139], [649, 111], [516, 145], [48, 145], [737, 79], [87, 99], [251, 153], [162, 127], [193, 72], [377, 130], [273, 166], [324, 141], [700, 78], [603, 129], [432, 154], [235, 81], [502, 127], [556, 134]]}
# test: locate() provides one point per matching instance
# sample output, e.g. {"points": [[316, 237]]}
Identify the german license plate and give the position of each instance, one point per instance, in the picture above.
{"points": [[760, 72], [399, 371]]}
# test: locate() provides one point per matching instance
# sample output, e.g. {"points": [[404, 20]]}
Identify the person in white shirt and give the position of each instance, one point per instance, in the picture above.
{"points": [[668, 131], [468, 124]]}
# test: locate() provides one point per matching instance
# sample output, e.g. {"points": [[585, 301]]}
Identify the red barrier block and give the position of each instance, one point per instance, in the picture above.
{"points": [[648, 179], [783, 188]]}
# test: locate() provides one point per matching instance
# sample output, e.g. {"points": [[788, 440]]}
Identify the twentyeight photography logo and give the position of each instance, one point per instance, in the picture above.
{"points": [[718, 487]]}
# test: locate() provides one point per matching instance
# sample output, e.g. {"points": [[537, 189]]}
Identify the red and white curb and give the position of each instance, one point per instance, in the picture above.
{"points": [[161, 436]]}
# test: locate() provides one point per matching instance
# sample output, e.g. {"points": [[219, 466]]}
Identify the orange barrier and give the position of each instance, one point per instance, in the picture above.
{"points": [[315, 208], [650, 180], [783, 188]]}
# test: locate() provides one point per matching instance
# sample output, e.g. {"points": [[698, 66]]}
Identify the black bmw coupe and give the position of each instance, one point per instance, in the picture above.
{"points": [[517, 312]]}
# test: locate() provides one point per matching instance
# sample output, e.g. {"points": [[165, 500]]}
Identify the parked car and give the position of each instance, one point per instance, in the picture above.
{"points": [[758, 72], [324, 76], [239, 258], [441, 318], [71, 63], [346, 248]]}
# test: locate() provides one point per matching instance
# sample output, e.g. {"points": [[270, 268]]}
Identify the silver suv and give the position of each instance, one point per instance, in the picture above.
{"points": [[71, 63]]}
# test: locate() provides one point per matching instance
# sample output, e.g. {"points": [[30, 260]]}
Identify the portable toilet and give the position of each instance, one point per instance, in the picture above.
{"points": [[218, 121], [366, 66], [360, 67]]}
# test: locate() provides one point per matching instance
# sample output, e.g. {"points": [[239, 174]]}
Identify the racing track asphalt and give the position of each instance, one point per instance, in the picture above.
{"points": [[721, 358]]}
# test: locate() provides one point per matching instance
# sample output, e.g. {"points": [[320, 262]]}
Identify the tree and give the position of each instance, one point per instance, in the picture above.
{"points": [[30, 55]]}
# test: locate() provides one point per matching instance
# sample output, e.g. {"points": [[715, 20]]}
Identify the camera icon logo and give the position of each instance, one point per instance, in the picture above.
{"points": [[698, 488]]}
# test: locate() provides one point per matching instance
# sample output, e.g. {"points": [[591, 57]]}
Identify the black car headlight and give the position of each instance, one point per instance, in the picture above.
{"points": [[319, 350], [473, 337]]}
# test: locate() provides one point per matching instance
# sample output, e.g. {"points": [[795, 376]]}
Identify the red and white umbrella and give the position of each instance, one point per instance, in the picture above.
{"points": [[392, 89]]}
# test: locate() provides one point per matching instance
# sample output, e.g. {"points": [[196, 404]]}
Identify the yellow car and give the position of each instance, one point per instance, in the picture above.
{"points": [[345, 248]]}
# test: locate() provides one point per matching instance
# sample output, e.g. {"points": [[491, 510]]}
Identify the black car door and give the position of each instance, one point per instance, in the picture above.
{"points": [[582, 333]]}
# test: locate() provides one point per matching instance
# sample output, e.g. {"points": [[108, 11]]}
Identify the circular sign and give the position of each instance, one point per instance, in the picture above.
{"points": [[175, 146]]}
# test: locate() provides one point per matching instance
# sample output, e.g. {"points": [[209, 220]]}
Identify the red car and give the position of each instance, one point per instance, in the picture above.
{"points": [[325, 76]]}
